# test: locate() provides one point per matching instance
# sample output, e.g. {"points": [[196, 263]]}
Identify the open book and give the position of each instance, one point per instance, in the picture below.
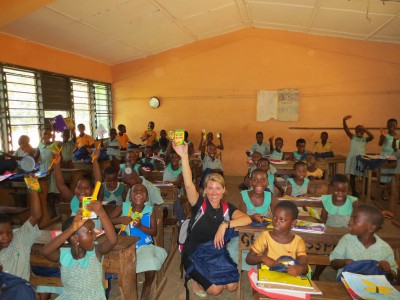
{"points": [[310, 227], [369, 287]]}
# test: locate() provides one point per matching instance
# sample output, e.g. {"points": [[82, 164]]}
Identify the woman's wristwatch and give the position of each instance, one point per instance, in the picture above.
{"points": [[228, 224]]}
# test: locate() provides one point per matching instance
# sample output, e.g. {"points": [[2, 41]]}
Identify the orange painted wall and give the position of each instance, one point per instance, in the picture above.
{"points": [[26, 54], [212, 84]]}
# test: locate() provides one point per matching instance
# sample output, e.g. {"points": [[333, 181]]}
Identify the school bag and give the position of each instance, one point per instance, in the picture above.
{"points": [[224, 269], [14, 287], [187, 225]]}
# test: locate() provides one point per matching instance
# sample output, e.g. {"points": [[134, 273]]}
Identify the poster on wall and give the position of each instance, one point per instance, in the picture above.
{"points": [[282, 105]]}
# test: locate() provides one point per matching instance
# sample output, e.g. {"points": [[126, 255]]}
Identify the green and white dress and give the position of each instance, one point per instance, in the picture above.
{"points": [[233, 245], [82, 278], [338, 216]]}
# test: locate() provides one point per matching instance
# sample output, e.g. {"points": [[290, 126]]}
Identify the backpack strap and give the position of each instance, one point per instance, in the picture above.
{"points": [[225, 210]]}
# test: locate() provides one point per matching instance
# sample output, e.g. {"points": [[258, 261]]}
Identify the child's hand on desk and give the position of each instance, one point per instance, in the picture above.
{"points": [[295, 270], [384, 265]]}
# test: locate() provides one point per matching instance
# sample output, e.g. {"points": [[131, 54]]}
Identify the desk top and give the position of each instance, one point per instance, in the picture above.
{"points": [[330, 291], [12, 210], [124, 242], [389, 234]]}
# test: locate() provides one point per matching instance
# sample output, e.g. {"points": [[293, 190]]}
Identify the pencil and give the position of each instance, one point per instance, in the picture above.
{"points": [[124, 226]]}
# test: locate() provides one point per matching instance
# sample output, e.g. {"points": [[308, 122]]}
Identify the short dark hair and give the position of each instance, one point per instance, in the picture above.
{"points": [[120, 126], [288, 206], [391, 120], [258, 171], [298, 164], [109, 171], [339, 178], [4, 218], [375, 216], [260, 132], [113, 130], [300, 141], [279, 138], [264, 159]]}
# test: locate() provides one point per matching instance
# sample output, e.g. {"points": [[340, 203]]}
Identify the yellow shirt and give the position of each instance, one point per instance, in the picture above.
{"points": [[319, 148], [294, 249], [86, 140], [151, 139], [123, 140]]}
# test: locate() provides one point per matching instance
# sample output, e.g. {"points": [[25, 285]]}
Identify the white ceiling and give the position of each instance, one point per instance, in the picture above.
{"points": [[115, 31]]}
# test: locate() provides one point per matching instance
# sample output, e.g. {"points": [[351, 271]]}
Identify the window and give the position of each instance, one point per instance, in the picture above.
{"points": [[30, 98], [23, 106]]}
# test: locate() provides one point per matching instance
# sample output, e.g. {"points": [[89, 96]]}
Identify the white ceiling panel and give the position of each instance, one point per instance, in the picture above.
{"points": [[160, 36], [223, 17], [280, 14], [114, 31], [373, 6], [348, 21], [337, 34], [192, 8], [391, 29]]}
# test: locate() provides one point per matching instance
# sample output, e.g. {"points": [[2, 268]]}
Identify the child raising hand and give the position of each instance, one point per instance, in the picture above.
{"points": [[81, 265]]}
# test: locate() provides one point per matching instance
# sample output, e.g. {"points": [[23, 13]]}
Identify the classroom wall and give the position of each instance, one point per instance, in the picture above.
{"points": [[212, 84], [26, 54]]}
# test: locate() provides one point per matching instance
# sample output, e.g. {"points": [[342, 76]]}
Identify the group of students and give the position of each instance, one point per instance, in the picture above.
{"points": [[212, 219]]}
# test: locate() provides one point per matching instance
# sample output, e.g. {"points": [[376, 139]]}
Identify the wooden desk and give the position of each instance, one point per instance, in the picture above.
{"points": [[154, 176], [333, 163], [121, 260], [318, 246], [18, 215], [330, 291], [287, 168], [300, 202]]}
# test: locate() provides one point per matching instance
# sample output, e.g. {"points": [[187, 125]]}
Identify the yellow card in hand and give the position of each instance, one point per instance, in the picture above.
{"points": [[86, 200]]}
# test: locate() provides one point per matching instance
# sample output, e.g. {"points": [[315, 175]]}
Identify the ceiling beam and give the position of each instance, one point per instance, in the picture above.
{"points": [[12, 10]]}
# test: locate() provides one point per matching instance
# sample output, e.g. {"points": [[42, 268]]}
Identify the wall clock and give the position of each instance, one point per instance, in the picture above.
{"points": [[154, 102]]}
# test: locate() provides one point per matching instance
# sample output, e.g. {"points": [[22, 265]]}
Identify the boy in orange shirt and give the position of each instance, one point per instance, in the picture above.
{"points": [[83, 139]]}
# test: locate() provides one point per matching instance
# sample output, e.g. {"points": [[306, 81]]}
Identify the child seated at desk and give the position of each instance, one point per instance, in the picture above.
{"points": [[81, 264], [255, 156], [362, 243], [131, 159], [150, 258], [259, 146], [265, 165], [113, 146], [68, 146], [123, 137], [313, 172], [301, 152], [147, 163], [114, 192], [210, 163], [256, 204], [83, 139], [336, 209], [271, 245], [323, 148], [276, 152], [15, 245], [25, 149], [298, 186]]}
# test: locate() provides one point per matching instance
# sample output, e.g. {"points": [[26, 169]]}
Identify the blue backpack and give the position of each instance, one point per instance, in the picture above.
{"points": [[16, 288]]}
